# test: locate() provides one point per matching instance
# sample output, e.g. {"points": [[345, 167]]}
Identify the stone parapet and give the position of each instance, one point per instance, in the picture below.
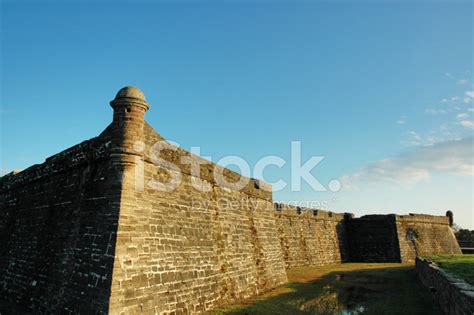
{"points": [[80, 154], [423, 218], [291, 210], [454, 295]]}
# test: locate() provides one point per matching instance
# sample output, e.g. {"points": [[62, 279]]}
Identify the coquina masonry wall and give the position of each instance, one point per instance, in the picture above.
{"points": [[310, 237], [186, 250], [57, 231], [424, 235]]}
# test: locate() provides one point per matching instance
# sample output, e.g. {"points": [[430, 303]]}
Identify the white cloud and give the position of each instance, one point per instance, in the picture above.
{"points": [[414, 138], [467, 123], [462, 81], [402, 120], [435, 136], [468, 95], [415, 135], [450, 104], [454, 157], [471, 109]]}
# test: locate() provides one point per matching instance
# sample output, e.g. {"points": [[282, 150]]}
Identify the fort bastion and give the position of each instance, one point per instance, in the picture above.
{"points": [[86, 232]]}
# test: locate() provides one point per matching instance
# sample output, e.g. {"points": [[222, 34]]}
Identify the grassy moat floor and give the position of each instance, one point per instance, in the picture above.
{"points": [[459, 265], [353, 288]]}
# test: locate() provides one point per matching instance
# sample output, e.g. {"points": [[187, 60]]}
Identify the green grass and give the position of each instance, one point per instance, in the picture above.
{"points": [[343, 289], [459, 265]]}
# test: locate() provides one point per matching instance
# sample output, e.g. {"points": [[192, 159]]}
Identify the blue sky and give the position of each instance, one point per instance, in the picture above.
{"points": [[384, 91]]}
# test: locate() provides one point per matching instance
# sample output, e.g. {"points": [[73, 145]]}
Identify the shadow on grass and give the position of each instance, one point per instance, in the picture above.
{"points": [[392, 290]]}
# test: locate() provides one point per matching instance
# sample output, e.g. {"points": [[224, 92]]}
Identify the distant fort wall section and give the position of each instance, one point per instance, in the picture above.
{"points": [[373, 238], [310, 237], [423, 235], [399, 238], [89, 232]]}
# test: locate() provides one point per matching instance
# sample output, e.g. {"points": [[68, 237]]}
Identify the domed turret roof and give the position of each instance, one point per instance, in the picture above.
{"points": [[131, 92]]}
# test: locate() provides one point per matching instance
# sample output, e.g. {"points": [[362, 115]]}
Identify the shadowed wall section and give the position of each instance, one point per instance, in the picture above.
{"points": [[373, 238], [399, 238], [57, 229]]}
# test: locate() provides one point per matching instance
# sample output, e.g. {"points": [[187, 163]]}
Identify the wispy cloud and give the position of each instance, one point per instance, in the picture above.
{"points": [[462, 82], [402, 120], [454, 157], [450, 104], [435, 111], [414, 138], [465, 120]]}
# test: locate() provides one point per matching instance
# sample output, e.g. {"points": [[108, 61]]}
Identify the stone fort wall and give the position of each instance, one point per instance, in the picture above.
{"points": [[399, 238], [373, 238], [57, 229], [187, 251], [423, 235], [310, 237], [87, 232]]}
